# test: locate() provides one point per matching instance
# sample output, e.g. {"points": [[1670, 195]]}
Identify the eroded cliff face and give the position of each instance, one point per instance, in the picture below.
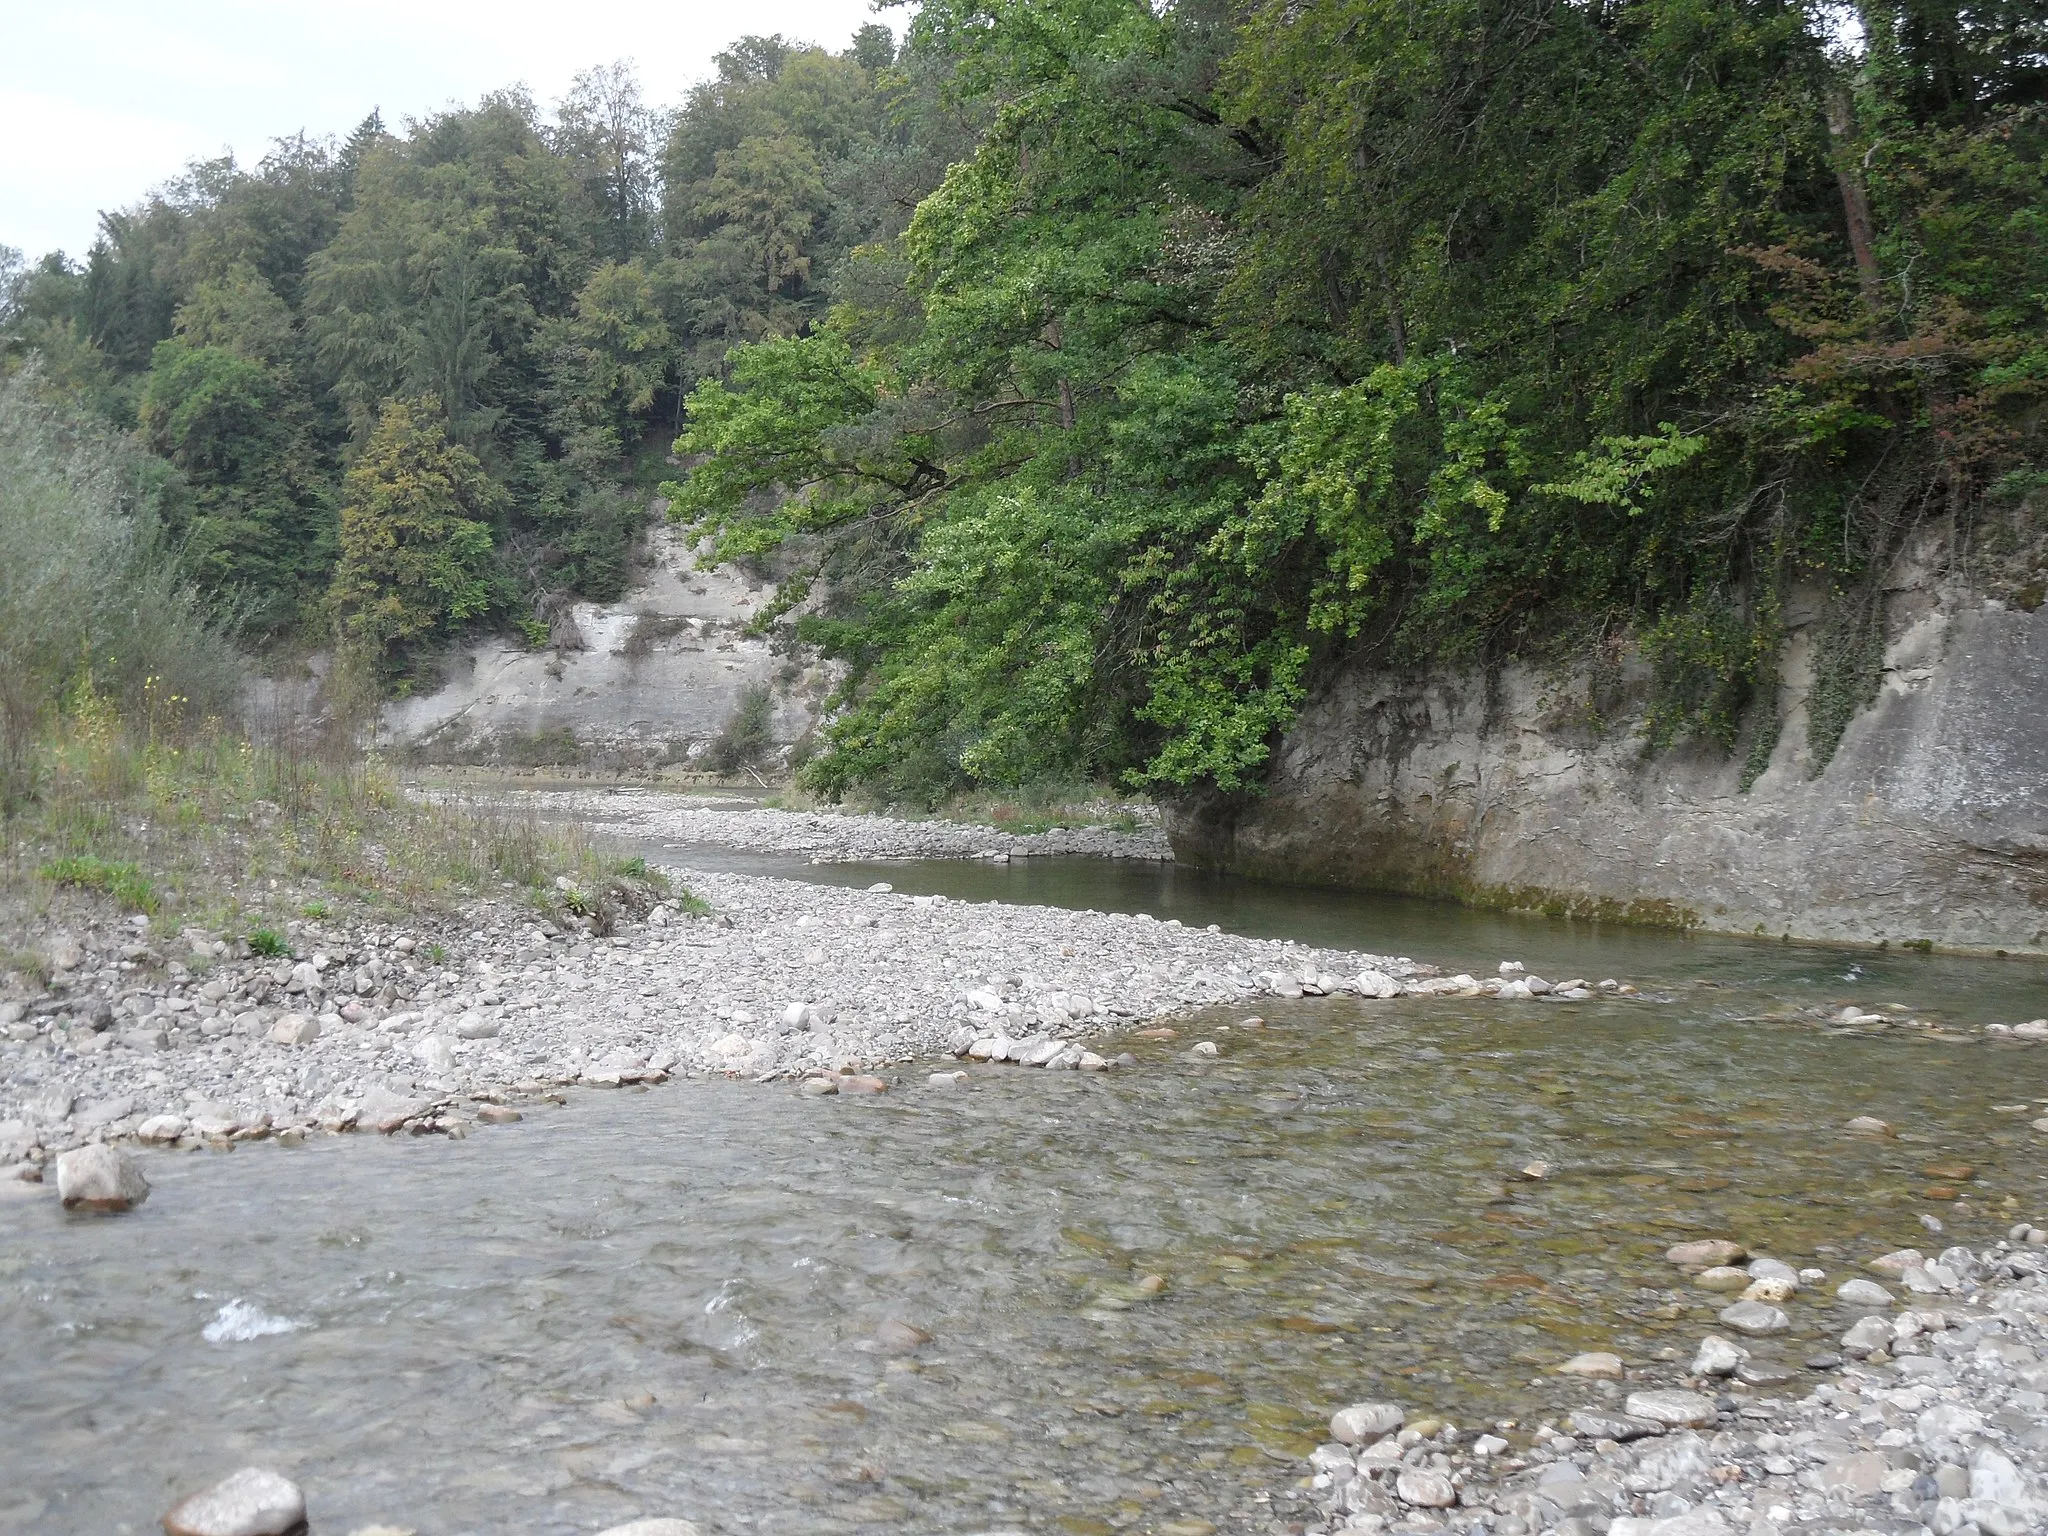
{"points": [[1929, 824], [647, 682]]}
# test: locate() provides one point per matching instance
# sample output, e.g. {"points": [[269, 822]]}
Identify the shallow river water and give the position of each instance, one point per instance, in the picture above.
{"points": [[667, 1301]]}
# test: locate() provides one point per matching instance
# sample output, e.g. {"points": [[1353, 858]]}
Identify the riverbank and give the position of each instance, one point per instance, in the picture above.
{"points": [[1934, 1423], [440, 1024], [662, 816]]}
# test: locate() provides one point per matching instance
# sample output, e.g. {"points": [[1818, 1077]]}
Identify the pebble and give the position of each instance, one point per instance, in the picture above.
{"points": [[98, 1177], [1717, 1356], [1863, 1293], [1595, 1363], [295, 1029], [658, 1527], [1868, 1125], [1755, 1318], [1722, 1277], [251, 1502], [1363, 1423], [1706, 1252], [1598, 1424], [1679, 1409], [1426, 1490]]}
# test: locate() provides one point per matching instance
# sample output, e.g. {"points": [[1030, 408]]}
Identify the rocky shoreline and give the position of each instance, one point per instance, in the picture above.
{"points": [[444, 1026], [1934, 1420], [832, 837]]}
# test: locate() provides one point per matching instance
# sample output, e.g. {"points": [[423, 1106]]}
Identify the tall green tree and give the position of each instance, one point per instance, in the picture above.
{"points": [[416, 517]]}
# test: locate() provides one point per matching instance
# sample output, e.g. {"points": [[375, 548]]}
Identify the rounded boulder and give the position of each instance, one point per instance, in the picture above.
{"points": [[251, 1502], [100, 1178], [1363, 1423]]}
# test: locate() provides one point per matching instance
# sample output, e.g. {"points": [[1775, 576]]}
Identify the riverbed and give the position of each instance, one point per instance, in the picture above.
{"points": [[706, 1298]]}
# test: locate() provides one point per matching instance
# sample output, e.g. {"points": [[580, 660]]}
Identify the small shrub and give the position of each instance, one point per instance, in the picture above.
{"points": [[748, 736], [316, 909], [268, 943], [437, 953], [126, 884]]}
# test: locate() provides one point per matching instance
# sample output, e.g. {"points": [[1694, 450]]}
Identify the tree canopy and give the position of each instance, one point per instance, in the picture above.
{"points": [[1249, 339]]}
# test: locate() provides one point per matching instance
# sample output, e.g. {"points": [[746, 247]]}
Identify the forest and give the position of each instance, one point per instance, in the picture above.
{"points": [[1097, 376]]}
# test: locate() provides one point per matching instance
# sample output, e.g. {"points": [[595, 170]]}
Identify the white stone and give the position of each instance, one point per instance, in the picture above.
{"points": [[1426, 1490], [1363, 1423], [295, 1029], [1717, 1356], [658, 1527], [100, 1178], [161, 1128], [435, 1053], [251, 1502], [477, 1026], [1597, 1363], [1689, 1410], [1863, 1293]]}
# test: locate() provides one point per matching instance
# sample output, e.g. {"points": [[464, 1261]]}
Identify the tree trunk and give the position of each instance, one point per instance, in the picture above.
{"points": [[1855, 200]]}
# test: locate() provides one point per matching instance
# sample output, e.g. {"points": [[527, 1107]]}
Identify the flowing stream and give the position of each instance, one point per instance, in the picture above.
{"points": [[668, 1301]]}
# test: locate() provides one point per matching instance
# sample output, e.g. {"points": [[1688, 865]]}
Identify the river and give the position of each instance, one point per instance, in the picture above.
{"points": [[668, 1301]]}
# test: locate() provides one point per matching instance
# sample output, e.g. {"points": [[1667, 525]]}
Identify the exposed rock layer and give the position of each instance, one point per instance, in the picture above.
{"points": [[1928, 824]]}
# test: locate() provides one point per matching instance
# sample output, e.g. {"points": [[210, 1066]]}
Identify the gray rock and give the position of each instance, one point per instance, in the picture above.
{"points": [[1755, 1318], [1695, 1522], [1947, 1422], [1688, 1410], [1774, 1269], [1599, 1424], [295, 1029], [1863, 1293], [1717, 1356], [106, 1112], [385, 1111], [1426, 1490], [477, 1026], [1363, 1423], [1858, 1475], [1706, 1252], [1681, 1462], [435, 1054], [100, 1178], [1994, 1477], [251, 1502], [1867, 1335]]}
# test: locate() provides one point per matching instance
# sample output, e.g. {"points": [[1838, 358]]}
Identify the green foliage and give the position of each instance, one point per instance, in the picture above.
{"points": [[91, 598], [129, 888], [1848, 668], [415, 535], [1240, 343], [748, 737], [268, 943], [556, 283]]}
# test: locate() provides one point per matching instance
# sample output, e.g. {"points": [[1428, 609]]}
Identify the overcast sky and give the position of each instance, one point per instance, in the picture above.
{"points": [[102, 99]]}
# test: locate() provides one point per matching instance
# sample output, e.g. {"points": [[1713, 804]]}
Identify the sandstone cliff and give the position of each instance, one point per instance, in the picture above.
{"points": [[1928, 825]]}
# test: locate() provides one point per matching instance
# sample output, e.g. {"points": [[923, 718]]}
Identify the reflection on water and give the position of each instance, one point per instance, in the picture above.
{"points": [[667, 1301]]}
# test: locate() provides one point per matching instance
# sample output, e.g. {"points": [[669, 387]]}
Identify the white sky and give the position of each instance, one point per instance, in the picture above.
{"points": [[101, 100]]}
